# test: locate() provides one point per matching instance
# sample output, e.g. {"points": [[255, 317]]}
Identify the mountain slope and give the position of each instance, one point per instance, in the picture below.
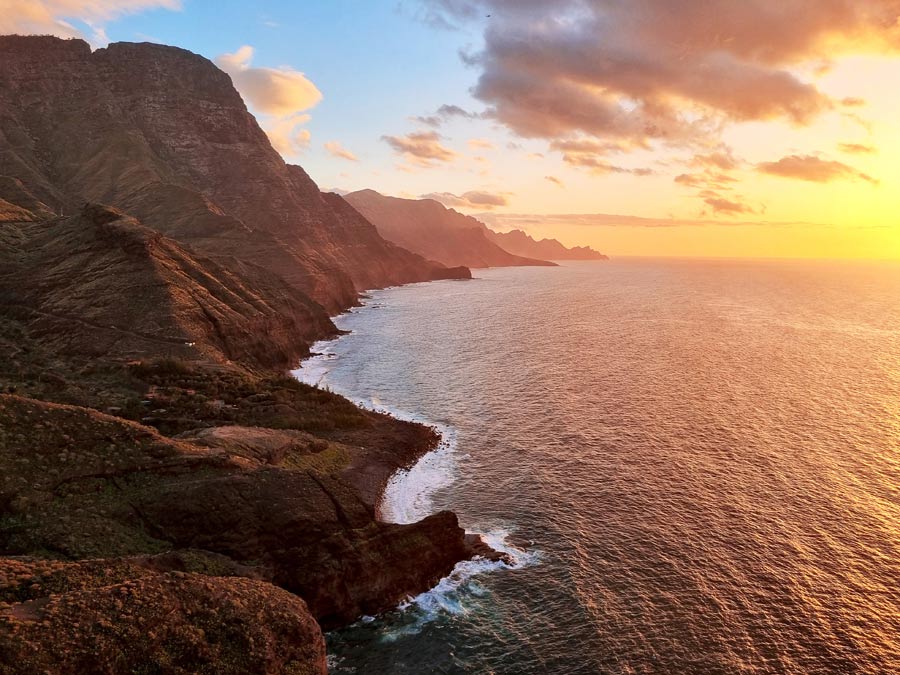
{"points": [[434, 231], [101, 283], [162, 134]]}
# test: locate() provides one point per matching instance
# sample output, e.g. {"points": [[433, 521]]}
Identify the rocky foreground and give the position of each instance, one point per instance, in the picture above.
{"points": [[170, 500]]}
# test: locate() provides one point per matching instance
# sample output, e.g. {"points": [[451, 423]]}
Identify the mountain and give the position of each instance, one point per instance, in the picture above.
{"points": [[519, 243], [161, 134], [434, 231]]}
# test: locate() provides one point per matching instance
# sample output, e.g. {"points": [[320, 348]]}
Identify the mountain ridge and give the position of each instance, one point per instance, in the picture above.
{"points": [[448, 236], [429, 228]]}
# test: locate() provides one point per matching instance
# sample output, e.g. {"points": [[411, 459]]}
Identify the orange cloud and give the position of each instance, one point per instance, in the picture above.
{"points": [[338, 150], [856, 148], [480, 144], [728, 207], [813, 169], [283, 94], [554, 180], [422, 148], [276, 91], [472, 199]]}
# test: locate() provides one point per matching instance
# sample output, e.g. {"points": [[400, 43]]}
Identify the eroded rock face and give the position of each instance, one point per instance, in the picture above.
{"points": [[162, 134], [119, 617]]}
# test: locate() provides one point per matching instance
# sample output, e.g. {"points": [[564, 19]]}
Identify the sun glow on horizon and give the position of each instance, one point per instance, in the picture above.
{"points": [[715, 129]]}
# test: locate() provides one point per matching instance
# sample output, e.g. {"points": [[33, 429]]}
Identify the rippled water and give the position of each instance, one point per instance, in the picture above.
{"points": [[697, 465]]}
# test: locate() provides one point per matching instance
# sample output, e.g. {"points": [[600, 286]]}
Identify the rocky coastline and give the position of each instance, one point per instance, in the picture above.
{"points": [[171, 501]]}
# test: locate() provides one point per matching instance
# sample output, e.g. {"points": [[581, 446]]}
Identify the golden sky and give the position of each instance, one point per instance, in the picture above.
{"points": [[641, 127]]}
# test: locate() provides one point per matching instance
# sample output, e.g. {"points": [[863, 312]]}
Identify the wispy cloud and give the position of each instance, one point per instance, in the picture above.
{"points": [[527, 221], [339, 151], [422, 148], [474, 199], [480, 144], [856, 148], [812, 168], [444, 113]]}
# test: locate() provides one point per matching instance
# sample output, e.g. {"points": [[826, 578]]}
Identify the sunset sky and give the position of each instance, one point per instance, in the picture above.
{"points": [[640, 127]]}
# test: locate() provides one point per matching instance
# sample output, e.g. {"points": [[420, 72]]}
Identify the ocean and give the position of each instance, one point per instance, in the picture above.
{"points": [[693, 464]]}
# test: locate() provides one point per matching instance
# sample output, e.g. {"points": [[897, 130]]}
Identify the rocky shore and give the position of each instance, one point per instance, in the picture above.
{"points": [[171, 501]]}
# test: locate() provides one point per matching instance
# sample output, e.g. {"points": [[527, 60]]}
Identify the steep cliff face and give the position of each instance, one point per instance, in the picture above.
{"points": [[162, 134], [434, 231], [520, 243]]}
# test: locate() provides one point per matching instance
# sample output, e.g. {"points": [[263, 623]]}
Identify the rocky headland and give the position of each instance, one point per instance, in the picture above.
{"points": [[170, 500]]}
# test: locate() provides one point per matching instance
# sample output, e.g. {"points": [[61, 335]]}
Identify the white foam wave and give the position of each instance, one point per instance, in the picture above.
{"points": [[409, 494], [458, 592]]}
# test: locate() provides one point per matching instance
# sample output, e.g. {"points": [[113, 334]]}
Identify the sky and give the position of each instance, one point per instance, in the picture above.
{"points": [[707, 128]]}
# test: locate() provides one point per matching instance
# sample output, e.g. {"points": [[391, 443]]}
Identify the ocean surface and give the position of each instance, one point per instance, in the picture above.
{"points": [[695, 466]]}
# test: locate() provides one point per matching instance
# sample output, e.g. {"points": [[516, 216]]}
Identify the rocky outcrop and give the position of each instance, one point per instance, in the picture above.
{"points": [[434, 231], [516, 241], [122, 617], [81, 484]]}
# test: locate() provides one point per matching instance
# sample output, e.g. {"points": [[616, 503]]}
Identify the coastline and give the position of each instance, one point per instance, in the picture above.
{"points": [[372, 473], [401, 490]]}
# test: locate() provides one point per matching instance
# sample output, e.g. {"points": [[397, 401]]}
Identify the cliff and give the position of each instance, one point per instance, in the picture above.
{"points": [[162, 134], [520, 243], [169, 500], [434, 231]]}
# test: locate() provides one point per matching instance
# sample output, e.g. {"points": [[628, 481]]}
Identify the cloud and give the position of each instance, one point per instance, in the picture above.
{"points": [[589, 154], [543, 222], [54, 17], [723, 160], [338, 150], [813, 169], [480, 144], [422, 148], [276, 91], [474, 199], [661, 71], [852, 102], [287, 135], [856, 149], [444, 113], [554, 180], [282, 95], [726, 207], [601, 167]]}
